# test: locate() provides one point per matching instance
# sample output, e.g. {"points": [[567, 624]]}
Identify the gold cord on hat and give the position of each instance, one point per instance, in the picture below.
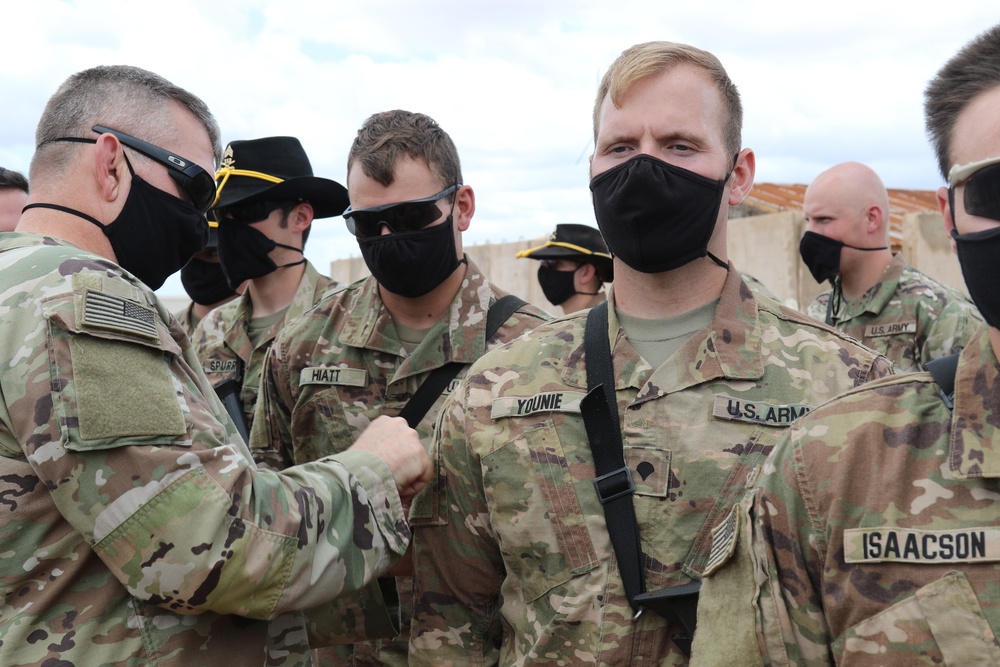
{"points": [[222, 177], [561, 244]]}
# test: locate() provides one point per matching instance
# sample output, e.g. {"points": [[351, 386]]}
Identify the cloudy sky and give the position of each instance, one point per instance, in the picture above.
{"points": [[513, 82]]}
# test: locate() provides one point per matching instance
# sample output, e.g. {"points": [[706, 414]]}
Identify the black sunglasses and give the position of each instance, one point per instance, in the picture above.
{"points": [[251, 211], [982, 193], [403, 216], [198, 184]]}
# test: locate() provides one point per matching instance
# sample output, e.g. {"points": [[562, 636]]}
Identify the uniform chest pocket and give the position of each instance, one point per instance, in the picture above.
{"points": [[940, 624], [322, 424], [540, 526], [110, 390]]}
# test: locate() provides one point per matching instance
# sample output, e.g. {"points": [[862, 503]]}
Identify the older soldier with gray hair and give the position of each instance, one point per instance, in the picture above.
{"points": [[874, 536], [136, 528], [584, 465]]}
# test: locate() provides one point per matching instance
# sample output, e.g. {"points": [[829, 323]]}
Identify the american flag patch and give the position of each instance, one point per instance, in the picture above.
{"points": [[723, 541], [108, 311]]}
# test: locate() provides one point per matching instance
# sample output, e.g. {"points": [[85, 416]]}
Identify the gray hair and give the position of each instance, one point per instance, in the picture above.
{"points": [[122, 97]]}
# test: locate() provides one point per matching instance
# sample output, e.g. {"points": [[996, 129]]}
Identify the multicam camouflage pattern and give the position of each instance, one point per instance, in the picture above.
{"points": [[187, 319], [521, 569], [136, 528], [221, 340], [340, 366], [907, 316], [875, 532], [757, 287]]}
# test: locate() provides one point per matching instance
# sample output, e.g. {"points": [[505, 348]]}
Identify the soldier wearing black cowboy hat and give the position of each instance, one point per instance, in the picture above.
{"points": [[574, 265], [267, 199]]}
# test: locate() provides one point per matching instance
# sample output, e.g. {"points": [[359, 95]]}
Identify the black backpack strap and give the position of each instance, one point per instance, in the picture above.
{"points": [[943, 371], [423, 398], [613, 481], [230, 393]]}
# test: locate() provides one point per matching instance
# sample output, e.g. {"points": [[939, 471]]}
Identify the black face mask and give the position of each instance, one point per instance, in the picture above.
{"points": [[204, 282], [978, 254], [155, 234], [244, 253], [557, 286], [655, 216], [412, 264], [821, 255]]}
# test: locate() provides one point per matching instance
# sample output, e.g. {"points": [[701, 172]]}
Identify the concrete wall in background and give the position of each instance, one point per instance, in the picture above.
{"points": [[767, 247]]}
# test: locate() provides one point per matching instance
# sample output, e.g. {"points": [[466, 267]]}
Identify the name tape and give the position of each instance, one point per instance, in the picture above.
{"points": [[552, 401], [348, 377], [899, 545]]}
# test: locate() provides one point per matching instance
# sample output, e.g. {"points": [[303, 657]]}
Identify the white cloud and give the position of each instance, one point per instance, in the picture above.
{"points": [[512, 83]]}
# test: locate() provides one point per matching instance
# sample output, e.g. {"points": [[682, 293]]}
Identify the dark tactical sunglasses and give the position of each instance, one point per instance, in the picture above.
{"points": [[197, 184], [403, 216], [982, 187], [252, 211]]}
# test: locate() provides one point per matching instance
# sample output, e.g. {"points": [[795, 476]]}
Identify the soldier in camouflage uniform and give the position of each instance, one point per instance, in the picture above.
{"points": [[521, 569], [268, 198], [874, 536], [364, 350], [136, 528], [204, 282], [877, 298]]}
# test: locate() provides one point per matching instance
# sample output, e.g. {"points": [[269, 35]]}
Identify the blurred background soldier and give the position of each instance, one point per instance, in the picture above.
{"points": [[876, 297], [573, 266], [204, 282], [13, 197]]}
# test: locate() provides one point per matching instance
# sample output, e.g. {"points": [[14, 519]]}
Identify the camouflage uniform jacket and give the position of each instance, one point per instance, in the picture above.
{"points": [[341, 365], [907, 316], [186, 318], [524, 555], [222, 342], [875, 536], [136, 529]]}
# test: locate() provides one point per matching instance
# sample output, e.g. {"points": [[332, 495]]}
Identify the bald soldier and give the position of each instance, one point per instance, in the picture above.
{"points": [[876, 297], [873, 537]]}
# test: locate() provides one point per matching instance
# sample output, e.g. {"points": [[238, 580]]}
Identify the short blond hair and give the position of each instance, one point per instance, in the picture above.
{"points": [[644, 60]]}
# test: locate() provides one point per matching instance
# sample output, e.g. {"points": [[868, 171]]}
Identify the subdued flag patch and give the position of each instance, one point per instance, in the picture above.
{"points": [[110, 311]]}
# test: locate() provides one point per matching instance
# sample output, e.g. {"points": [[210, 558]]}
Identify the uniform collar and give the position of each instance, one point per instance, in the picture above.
{"points": [[975, 426], [729, 348], [878, 295], [460, 335], [306, 294]]}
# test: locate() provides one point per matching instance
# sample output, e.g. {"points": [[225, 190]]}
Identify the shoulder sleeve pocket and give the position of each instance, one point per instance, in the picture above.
{"points": [[110, 390]]}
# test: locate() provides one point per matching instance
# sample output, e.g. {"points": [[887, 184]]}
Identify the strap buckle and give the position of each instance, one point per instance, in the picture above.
{"points": [[614, 484]]}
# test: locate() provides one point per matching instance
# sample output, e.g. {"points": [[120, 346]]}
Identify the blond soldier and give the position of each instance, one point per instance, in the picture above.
{"points": [[136, 529], [876, 297], [368, 349], [705, 375], [874, 537], [268, 199]]}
